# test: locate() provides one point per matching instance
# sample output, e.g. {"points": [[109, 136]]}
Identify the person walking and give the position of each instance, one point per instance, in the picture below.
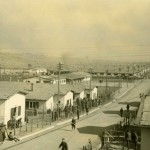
{"points": [[63, 145], [135, 139], [121, 111], [73, 124]]}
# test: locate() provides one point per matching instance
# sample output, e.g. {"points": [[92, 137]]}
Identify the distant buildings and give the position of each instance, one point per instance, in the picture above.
{"points": [[77, 77], [70, 78]]}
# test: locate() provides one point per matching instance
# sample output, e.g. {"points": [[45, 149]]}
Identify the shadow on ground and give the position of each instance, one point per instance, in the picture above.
{"points": [[95, 130], [132, 104]]}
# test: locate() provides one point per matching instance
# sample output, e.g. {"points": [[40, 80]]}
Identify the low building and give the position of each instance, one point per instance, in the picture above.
{"points": [[38, 71], [91, 93], [43, 97], [12, 102], [52, 79], [65, 99], [32, 80], [77, 77]]}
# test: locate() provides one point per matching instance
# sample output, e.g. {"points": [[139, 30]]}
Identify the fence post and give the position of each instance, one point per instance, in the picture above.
{"points": [[42, 122], [31, 124], [46, 119], [50, 119], [20, 129], [26, 126], [37, 123]]}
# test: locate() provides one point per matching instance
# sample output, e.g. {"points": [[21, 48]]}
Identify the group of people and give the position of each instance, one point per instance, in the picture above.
{"points": [[131, 137], [121, 110], [3, 132]]}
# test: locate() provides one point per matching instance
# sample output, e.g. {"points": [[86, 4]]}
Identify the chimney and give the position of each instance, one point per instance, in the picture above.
{"points": [[31, 86]]}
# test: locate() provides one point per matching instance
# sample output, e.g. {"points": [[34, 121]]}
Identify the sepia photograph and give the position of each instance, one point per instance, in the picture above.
{"points": [[74, 74]]}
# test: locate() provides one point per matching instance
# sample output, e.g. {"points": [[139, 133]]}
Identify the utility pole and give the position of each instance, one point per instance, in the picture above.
{"points": [[128, 67], [106, 82], [114, 80], [59, 68], [90, 71], [119, 77], [133, 73], [0, 71]]}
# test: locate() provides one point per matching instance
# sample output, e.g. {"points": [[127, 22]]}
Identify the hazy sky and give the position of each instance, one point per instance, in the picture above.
{"points": [[112, 29]]}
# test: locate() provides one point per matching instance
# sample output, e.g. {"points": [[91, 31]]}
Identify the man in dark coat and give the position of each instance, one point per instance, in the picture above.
{"points": [[128, 107], [3, 127], [135, 139], [73, 124], [1, 137], [121, 112], [63, 145]]}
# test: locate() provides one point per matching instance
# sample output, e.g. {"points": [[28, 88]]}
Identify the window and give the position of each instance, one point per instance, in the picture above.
{"points": [[67, 102], [32, 104], [27, 104], [13, 112], [19, 110]]}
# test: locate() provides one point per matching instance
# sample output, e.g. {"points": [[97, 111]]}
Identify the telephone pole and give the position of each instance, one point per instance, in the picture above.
{"points": [[114, 81], [119, 78], [59, 68], [106, 81], [128, 67], [90, 71]]}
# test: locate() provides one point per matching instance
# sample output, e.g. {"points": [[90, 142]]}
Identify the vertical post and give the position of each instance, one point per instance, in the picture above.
{"points": [[114, 81], [14, 125], [43, 116], [31, 124], [37, 123], [119, 78], [90, 82], [106, 82], [0, 72], [133, 74], [59, 67], [26, 126], [15, 121], [127, 75]]}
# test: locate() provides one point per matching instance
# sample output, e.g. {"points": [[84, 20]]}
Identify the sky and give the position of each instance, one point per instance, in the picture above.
{"points": [[103, 29]]}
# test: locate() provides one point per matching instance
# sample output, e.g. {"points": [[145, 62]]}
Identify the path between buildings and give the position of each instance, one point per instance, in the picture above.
{"points": [[64, 124]]}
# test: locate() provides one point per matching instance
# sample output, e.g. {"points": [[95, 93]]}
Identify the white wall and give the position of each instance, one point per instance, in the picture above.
{"points": [[50, 103], [94, 92], [14, 101], [2, 110], [64, 99], [82, 94]]}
